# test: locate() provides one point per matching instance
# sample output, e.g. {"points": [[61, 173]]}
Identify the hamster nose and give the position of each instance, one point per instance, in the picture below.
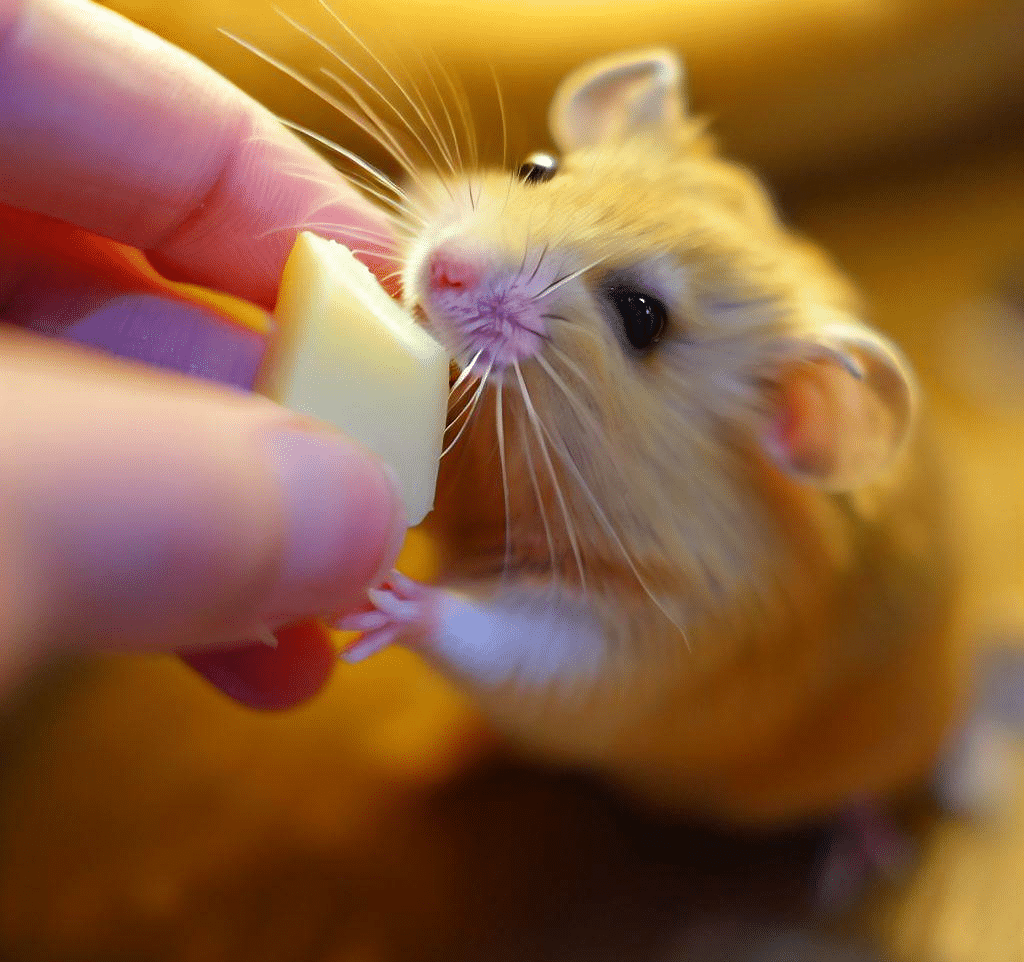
{"points": [[453, 271]]}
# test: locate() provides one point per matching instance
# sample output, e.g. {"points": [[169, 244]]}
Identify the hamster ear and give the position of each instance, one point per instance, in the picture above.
{"points": [[616, 97], [841, 406]]}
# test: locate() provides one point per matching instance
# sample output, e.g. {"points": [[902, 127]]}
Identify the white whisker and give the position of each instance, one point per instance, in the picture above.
{"points": [[459, 97], [327, 98], [349, 155], [540, 260], [377, 255], [394, 145], [466, 372], [501, 114], [609, 529], [447, 114], [456, 396], [535, 483], [299, 172], [538, 426], [380, 63], [578, 407], [555, 285], [472, 408], [349, 232], [500, 428], [370, 113]]}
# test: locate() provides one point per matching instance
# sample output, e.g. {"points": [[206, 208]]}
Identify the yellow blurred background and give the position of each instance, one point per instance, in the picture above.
{"points": [[143, 817]]}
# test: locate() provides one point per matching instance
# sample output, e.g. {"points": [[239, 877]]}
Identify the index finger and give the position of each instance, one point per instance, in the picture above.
{"points": [[110, 128]]}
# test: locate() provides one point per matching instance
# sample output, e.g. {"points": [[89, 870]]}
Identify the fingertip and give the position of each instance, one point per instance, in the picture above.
{"points": [[343, 519], [271, 679]]}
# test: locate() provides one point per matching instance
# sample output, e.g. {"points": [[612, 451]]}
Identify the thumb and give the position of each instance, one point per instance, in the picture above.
{"points": [[144, 511]]}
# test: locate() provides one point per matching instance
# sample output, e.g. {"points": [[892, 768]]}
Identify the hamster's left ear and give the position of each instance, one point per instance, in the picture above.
{"points": [[841, 406], [618, 97]]}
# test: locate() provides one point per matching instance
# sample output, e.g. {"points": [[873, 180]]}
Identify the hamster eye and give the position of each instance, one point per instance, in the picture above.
{"points": [[538, 167], [643, 315]]}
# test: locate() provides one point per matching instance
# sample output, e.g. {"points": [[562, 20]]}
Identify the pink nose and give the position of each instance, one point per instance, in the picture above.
{"points": [[453, 271]]}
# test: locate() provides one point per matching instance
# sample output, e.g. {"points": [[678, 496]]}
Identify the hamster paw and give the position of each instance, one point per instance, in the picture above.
{"points": [[399, 610], [865, 846]]}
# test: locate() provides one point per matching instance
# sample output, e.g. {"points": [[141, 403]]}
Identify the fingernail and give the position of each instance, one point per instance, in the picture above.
{"points": [[345, 523]]}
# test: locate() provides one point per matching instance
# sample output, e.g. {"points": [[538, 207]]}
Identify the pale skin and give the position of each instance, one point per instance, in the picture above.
{"points": [[141, 509]]}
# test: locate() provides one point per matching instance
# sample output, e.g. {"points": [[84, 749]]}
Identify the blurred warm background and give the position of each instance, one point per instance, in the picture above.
{"points": [[142, 817]]}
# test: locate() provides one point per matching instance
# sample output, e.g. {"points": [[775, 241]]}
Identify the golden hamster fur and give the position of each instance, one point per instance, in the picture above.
{"points": [[694, 527]]}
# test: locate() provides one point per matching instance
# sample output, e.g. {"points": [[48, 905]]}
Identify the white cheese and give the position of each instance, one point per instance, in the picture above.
{"points": [[346, 353]]}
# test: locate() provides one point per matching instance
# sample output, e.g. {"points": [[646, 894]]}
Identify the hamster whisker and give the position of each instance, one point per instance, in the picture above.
{"points": [[364, 234], [420, 114], [328, 226], [454, 150], [471, 407], [333, 51], [540, 260], [348, 155], [367, 237], [327, 98], [609, 529], [524, 440], [376, 254], [561, 281], [468, 391], [392, 276], [501, 115], [511, 178], [400, 206], [529, 235], [348, 89], [397, 150], [579, 408], [499, 427], [539, 429], [466, 373], [459, 391], [461, 101]]}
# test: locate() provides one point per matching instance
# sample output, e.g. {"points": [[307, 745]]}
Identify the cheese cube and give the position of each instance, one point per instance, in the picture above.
{"points": [[348, 354]]}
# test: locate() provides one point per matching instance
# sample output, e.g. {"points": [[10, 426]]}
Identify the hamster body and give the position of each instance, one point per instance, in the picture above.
{"points": [[694, 533]]}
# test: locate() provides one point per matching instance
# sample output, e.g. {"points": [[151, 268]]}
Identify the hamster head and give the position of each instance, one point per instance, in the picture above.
{"points": [[646, 338]]}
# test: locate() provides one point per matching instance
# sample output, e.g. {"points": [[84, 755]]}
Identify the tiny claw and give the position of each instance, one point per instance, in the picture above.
{"points": [[369, 644], [397, 608], [363, 621], [404, 584]]}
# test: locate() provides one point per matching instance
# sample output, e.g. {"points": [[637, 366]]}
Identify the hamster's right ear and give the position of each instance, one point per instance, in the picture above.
{"points": [[617, 97]]}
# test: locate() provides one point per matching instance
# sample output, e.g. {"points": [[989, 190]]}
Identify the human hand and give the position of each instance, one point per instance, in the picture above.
{"points": [[140, 509]]}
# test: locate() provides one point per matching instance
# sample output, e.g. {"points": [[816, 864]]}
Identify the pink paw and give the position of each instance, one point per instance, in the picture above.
{"points": [[399, 610]]}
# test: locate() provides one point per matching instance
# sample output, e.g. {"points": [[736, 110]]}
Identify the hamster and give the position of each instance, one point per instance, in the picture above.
{"points": [[693, 526]]}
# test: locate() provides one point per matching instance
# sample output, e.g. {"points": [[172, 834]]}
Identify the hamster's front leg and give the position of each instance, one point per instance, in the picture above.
{"points": [[535, 640]]}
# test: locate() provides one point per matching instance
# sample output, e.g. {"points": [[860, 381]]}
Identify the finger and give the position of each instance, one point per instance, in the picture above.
{"points": [[271, 679], [71, 302], [108, 127], [144, 511]]}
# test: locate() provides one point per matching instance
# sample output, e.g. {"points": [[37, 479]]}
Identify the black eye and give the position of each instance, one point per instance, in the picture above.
{"points": [[643, 315], [537, 168]]}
